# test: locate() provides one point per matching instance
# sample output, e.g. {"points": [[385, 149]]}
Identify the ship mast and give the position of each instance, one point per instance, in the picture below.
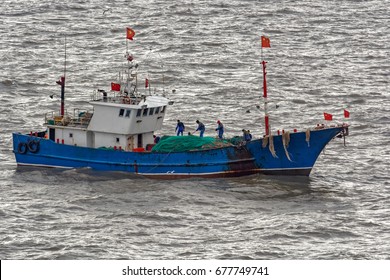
{"points": [[265, 43], [61, 82], [129, 36], [266, 117]]}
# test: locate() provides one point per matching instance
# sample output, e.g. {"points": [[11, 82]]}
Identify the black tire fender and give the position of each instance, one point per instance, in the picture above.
{"points": [[22, 148], [33, 146]]}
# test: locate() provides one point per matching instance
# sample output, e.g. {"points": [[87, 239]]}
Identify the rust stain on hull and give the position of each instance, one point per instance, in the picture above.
{"points": [[246, 161]]}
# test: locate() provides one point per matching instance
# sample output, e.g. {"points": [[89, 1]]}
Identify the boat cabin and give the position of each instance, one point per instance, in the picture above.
{"points": [[118, 122]]}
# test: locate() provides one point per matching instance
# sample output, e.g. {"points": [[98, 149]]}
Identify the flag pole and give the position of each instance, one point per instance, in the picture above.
{"points": [[261, 55], [265, 44], [61, 82], [65, 58], [266, 117], [129, 36], [127, 50], [128, 62], [63, 85]]}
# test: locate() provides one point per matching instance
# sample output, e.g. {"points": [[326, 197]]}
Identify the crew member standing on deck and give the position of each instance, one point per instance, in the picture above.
{"points": [[201, 128], [219, 129], [180, 128], [156, 139], [247, 136]]}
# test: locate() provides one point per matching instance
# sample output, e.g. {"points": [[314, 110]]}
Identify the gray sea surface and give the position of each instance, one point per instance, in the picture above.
{"points": [[325, 56]]}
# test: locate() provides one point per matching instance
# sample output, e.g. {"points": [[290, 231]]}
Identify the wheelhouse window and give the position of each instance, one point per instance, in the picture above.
{"points": [[163, 109], [128, 113], [139, 112], [145, 113], [121, 112], [157, 110], [151, 111]]}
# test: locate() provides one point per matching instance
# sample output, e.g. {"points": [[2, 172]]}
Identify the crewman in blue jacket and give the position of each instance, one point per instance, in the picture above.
{"points": [[201, 128], [247, 136]]}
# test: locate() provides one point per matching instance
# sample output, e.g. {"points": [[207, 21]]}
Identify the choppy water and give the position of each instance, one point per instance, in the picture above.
{"points": [[324, 56]]}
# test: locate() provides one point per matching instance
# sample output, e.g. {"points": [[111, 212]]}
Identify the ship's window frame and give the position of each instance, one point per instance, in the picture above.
{"points": [[163, 109], [157, 110], [139, 112], [117, 139], [121, 112], [151, 111], [145, 112], [70, 135], [128, 112]]}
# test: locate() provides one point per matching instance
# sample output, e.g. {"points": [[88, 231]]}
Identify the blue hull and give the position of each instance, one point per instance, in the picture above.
{"points": [[219, 162]]}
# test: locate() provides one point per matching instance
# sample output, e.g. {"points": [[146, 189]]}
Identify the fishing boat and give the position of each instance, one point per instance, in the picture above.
{"points": [[117, 134]]}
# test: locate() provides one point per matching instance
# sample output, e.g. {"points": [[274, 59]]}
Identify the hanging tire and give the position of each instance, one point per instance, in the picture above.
{"points": [[22, 148], [33, 146]]}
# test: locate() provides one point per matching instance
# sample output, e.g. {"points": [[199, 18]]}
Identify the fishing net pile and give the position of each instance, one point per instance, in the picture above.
{"points": [[188, 143]]}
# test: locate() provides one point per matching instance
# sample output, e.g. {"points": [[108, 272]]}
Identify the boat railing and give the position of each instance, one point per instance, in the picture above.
{"points": [[54, 117], [116, 97], [79, 118]]}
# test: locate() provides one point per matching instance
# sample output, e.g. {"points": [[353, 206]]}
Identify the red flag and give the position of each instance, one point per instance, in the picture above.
{"points": [[265, 42], [328, 117], [346, 114], [146, 83], [115, 87], [130, 33]]}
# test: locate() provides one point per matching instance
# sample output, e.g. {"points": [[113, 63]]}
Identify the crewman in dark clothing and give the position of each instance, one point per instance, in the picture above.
{"points": [[201, 128], [180, 128], [156, 139], [247, 135]]}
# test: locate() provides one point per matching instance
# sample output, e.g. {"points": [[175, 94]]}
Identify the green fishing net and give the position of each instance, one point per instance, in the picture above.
{"points": [[188, 143]]}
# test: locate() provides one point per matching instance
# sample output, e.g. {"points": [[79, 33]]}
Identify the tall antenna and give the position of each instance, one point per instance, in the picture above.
{"points": [[65, 58]]}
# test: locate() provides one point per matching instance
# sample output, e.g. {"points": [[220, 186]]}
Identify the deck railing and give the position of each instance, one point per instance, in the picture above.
{"points": [[79, 118]]}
